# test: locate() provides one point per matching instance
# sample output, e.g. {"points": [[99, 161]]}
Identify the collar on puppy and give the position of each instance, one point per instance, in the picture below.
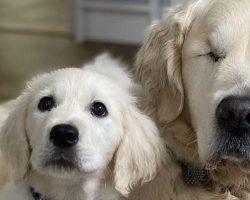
{"points": [[193, 175], [36, 195]]}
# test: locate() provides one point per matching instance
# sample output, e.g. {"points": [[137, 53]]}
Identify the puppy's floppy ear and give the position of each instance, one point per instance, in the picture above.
{"points": [[13, 140], [140, 153], [158, 63]]}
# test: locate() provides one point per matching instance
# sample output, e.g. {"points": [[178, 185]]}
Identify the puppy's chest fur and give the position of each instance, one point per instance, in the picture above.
{"points": [[65, 189]]}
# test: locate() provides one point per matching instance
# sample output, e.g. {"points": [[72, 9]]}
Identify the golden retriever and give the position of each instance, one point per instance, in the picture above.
{"points": [[78, 134], [195, 68]]}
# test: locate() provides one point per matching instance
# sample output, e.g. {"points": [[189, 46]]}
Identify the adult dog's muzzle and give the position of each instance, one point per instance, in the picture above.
{"points": [[233, 128], [233, 115]]}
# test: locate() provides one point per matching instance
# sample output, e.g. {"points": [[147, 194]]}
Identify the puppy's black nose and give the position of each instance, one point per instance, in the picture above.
{"points": [[233, 115], [64, 135]]}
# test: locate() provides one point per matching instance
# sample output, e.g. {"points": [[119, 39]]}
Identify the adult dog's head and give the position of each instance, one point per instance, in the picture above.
{"points": [[75, 122], [196, 62]]}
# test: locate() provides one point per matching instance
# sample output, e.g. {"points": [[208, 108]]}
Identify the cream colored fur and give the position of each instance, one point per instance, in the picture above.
{"points": [[113, 154], [184, 85], [4, 110]]}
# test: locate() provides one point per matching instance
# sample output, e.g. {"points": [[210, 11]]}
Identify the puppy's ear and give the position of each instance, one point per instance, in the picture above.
{"points": [[158, 63], [112, 68], [140, 153], [13, 140]]}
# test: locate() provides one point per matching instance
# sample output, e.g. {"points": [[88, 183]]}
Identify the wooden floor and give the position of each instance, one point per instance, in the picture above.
{"points": [[34, 37]]}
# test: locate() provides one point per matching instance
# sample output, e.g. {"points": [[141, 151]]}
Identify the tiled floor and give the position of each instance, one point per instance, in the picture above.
{"points": [[34, 37]]}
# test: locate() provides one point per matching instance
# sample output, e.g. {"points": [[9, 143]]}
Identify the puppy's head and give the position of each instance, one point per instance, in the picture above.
{"points": [[73, 122], [197, 58]]}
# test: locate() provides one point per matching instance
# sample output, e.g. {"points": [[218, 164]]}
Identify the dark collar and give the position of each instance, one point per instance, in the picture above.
{"points": [[36, 195], [194, 176]]}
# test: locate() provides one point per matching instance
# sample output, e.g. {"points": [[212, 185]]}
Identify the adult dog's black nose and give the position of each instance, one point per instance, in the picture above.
{"points": [[64, 135], [233, 115]]}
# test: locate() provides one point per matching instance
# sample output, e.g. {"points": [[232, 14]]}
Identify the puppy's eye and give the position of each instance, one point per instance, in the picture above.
{"points": [[98, 109], [215, 57], [46, 104]]}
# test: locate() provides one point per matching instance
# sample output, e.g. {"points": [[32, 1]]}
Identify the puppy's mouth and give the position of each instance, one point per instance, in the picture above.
{"points": [[62, 160], [61, 163]]}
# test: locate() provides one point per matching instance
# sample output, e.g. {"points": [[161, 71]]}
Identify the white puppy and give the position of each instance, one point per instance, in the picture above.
{"points": [[78, 134]]}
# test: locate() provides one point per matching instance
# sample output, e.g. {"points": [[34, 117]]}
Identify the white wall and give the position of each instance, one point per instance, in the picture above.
{"points": [[117, 21]]}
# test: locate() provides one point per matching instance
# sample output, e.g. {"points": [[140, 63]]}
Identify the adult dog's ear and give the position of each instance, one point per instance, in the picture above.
{"points": [[140, 154], [158, 63], [13, 140]]}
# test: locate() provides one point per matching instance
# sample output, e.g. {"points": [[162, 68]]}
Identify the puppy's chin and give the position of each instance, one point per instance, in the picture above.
{"points": [[60, 172], [63, 168]]}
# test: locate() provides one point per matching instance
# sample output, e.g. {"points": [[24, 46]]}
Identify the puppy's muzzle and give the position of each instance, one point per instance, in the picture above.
{"points": [[233, 115], [64, 135]]}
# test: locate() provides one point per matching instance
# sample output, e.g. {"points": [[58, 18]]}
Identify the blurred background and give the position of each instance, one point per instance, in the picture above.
{"points": [[42, 35]]}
